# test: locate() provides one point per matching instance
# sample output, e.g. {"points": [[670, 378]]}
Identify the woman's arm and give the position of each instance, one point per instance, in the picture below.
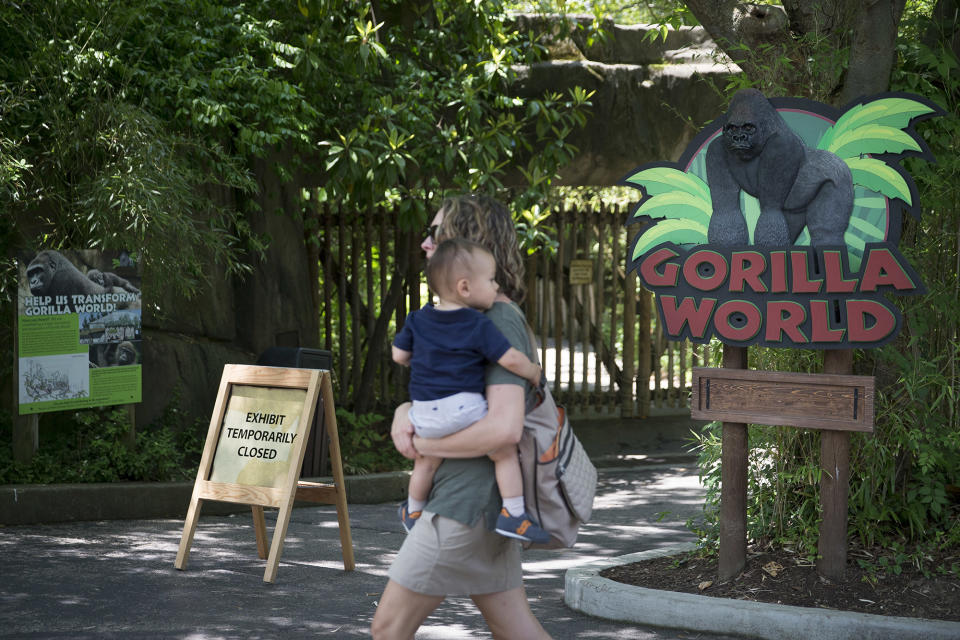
{"points": [[401, 430], [503, 425]]}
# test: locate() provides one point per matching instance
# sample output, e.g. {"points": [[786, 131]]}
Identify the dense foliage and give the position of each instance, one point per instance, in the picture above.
{"points": [[94, 446], [134, 125], [139, 125]]}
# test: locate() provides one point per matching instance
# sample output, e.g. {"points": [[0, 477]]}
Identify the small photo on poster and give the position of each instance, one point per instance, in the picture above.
{"points": [[114, 326], [61, 377], [115, 354]]}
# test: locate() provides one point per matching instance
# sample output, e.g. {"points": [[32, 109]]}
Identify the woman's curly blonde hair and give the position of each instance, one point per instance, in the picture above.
{"points": [[487, 222]]}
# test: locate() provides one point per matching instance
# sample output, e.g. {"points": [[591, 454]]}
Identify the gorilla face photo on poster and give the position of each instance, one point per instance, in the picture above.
{"points": [[780, 222]]}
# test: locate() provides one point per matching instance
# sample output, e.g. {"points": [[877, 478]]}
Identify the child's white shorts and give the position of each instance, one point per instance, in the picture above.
{"points": [[438, 418]]}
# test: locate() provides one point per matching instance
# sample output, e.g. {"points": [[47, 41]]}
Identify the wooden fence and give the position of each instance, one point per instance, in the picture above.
{"points": [[602, 346]]}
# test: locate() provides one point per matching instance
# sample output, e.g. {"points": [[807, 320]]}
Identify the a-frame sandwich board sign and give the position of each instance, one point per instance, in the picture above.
{"points": [[254, 451]]}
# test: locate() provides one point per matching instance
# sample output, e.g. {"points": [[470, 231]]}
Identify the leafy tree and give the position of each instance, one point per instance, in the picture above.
{"points": [[833, 51], [134, 125], [148, 125]]}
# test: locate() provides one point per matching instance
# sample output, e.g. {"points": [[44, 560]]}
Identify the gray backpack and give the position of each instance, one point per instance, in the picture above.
{"points": [[559, 481]]}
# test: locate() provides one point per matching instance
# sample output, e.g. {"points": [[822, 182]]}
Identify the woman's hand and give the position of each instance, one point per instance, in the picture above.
{"points": [[402, 431]]}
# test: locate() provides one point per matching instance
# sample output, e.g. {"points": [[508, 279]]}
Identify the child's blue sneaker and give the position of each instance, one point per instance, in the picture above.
{"points": [[522, 527], [408, 519]]}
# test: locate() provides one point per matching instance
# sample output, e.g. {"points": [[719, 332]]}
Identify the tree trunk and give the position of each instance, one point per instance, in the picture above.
{"points": [[363, 392], [803, 48], [945, 27], [873, 49]]}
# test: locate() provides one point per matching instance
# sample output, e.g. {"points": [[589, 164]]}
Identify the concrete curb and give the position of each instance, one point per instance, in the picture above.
{"points": [[40, 503], [585, 591]]}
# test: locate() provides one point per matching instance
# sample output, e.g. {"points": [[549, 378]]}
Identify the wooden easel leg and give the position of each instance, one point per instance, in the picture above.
{"points": [[343, 517], [260, 528], [733, 484], [279, 533], [189, 528]]}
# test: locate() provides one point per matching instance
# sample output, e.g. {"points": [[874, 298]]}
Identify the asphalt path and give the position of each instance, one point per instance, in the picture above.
{"points": [[116, 579]]}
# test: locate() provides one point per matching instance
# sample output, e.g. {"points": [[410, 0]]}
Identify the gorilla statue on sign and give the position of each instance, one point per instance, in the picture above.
{"points": [[797, 186], [50, 274]]}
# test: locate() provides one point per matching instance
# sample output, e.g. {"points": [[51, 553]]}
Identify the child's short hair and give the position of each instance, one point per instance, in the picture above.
{"points": [[452, 260]]}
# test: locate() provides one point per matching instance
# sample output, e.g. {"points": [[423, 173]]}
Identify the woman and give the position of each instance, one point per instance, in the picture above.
{"points": [[453, 550]]}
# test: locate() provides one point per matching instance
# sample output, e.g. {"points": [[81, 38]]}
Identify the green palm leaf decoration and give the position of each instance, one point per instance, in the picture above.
{"points": [[878, 176], [889, 112], [875, 128], [675, 231], [659, 180], [872, 138], [676, 205], [681, 203]]}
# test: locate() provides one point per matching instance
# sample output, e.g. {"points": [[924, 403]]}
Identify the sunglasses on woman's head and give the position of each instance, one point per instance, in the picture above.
{"points": [[431, 231]]}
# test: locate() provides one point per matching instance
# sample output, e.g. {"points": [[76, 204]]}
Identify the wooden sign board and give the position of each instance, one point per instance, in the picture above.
{"points": [[254, 451], [581, 271], [813, 401]]}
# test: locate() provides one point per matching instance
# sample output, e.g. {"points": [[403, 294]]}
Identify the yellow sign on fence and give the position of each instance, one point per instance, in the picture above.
{"points": [[581, 271]]}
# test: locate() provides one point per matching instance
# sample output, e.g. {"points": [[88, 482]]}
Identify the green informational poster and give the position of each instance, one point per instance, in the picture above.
{"points": [[79, 330]]}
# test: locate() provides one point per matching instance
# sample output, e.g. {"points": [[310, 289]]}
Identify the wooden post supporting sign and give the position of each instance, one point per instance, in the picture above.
{"points": [[834, 403], [733, 483], [254, 451], [834, 482]]}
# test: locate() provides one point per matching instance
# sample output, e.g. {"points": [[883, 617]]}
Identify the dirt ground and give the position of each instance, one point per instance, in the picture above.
{"points": [[782, 577]]}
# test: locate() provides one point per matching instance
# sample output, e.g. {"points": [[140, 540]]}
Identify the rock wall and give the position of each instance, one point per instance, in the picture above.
{"points": [[187, 343], [650, 98]]}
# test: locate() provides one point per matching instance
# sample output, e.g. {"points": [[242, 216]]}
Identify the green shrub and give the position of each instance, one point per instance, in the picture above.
{"points": [[92, 447], [365, 444]]}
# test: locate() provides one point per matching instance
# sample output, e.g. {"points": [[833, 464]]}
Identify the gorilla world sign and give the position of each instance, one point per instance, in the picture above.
{"points": [[779, 225]]}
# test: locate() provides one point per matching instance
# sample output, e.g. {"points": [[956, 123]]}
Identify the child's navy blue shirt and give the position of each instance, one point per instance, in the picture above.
{"points": [[450, 350]]}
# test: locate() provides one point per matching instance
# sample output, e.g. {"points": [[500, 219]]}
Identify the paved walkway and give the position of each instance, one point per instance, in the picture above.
{"points": [[115, 579]]}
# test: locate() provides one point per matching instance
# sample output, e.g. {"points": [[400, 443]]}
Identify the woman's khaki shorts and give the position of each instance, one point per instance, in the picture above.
{"points": [[442, 557]]}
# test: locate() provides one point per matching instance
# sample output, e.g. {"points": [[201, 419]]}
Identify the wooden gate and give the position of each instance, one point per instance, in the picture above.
{"points": [[601, 344]]}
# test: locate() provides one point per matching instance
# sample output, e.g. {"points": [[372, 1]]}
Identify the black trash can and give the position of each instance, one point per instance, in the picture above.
{"points": [[316, 457]]}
